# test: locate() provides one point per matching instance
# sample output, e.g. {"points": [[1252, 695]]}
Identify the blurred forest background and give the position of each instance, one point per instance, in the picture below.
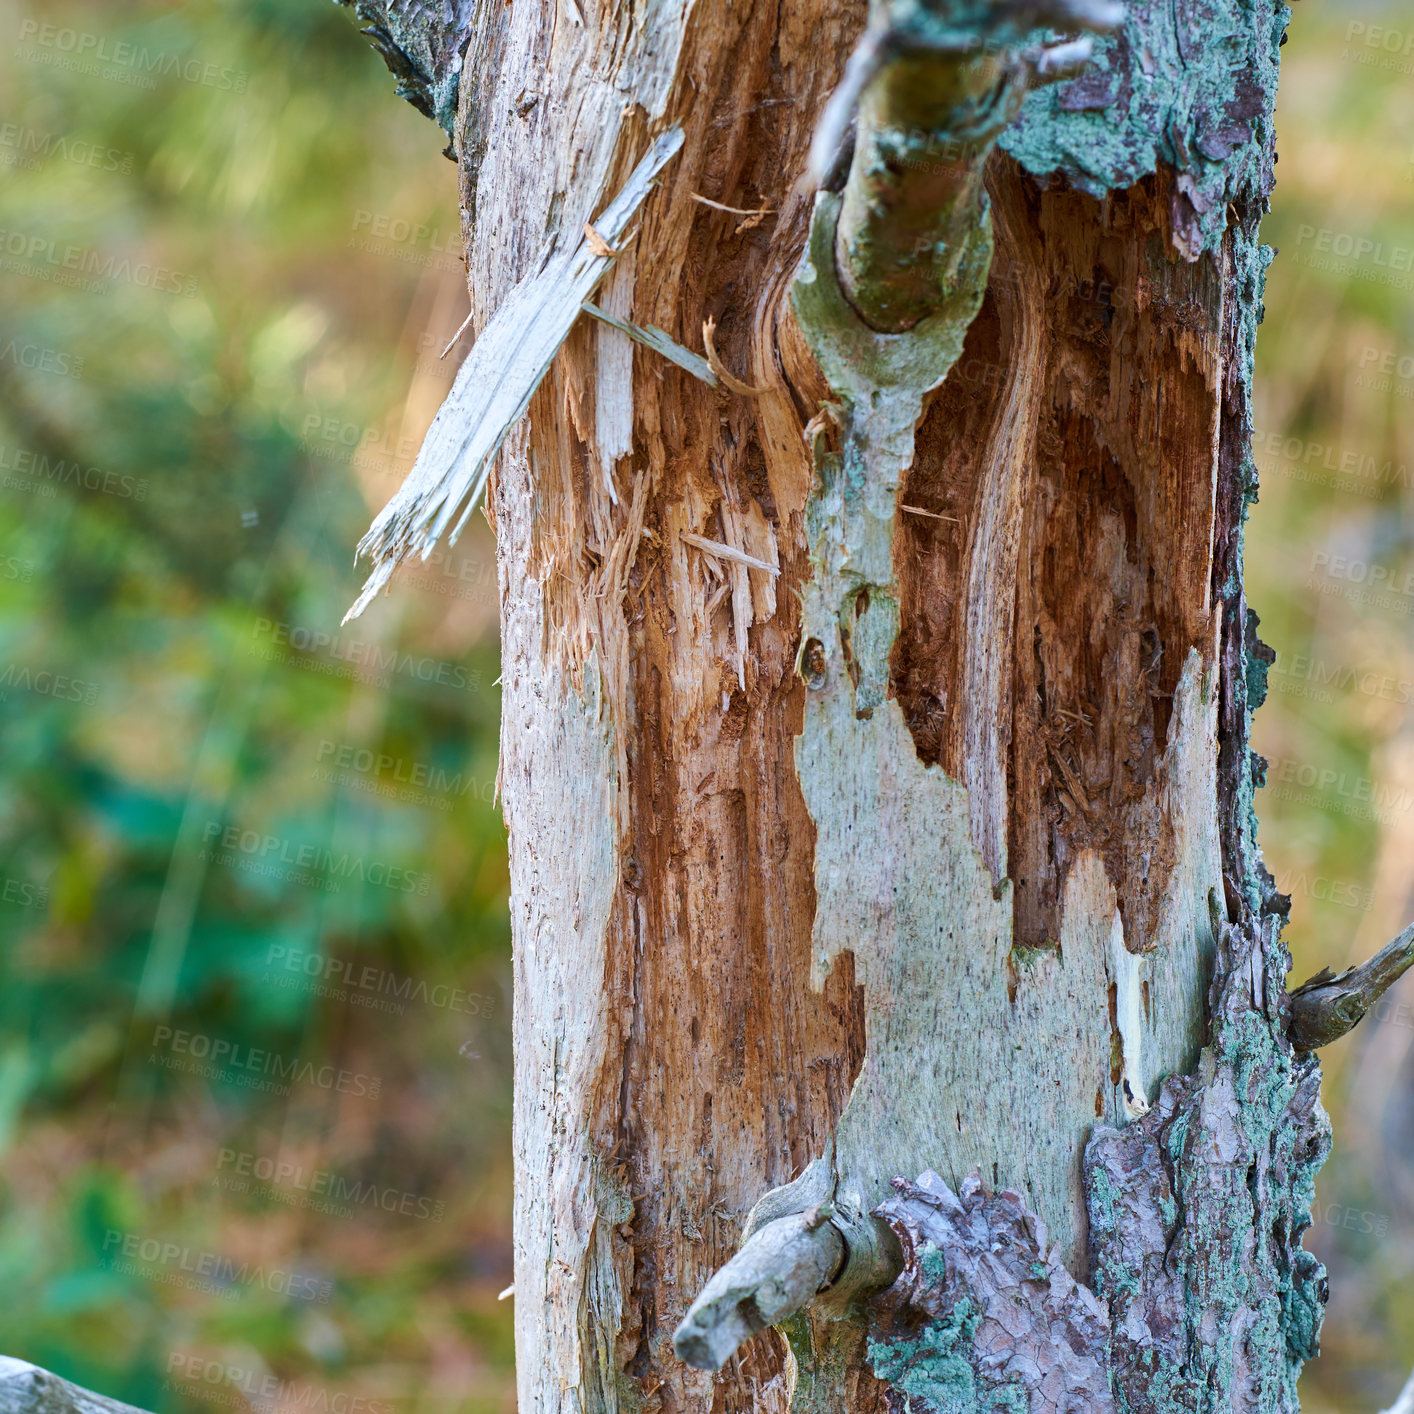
{"points": [[254, 1086]]}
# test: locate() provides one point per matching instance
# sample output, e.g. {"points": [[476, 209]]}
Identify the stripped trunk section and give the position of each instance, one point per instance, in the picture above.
{"points": [[933, 852]]}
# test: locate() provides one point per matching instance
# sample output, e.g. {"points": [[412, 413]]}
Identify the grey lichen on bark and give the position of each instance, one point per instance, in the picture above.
{"points": [[1197, 1211], [423, 43], [1203, 1297], [1189, 87]]}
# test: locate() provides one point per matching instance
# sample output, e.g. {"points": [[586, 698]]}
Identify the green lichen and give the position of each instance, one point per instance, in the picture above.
{"points": [[1192, 86], [934, 1368], [933, 1365]]}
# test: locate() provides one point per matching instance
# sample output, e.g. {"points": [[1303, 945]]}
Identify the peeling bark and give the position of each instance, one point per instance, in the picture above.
{"points": [[984, 1316]]}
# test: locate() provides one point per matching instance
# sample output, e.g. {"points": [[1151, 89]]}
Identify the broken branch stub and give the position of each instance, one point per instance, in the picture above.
{"points": [[494, 386], [780, 1267], [802, 1242], [1327, 1006], [933, 93]]}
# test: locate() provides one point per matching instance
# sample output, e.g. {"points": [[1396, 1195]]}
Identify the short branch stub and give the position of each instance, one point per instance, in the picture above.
{"points": [[1326, 1007], [780, 1267]]}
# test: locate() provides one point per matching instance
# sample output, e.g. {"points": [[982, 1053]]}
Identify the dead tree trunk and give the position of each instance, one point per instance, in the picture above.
{"points": [[877, 683]]}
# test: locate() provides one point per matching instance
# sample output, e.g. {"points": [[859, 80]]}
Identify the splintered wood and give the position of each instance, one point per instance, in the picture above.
{"points": [[985, 801], [494, 386], [672, 1062]]}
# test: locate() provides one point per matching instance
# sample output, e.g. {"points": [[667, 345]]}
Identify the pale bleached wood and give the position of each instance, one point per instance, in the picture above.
{"points": [[659, 342], [671, 1063], [494, 386], [27, 1389]]}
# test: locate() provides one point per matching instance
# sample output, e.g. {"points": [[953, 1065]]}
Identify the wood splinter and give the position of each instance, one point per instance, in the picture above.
{"points": [[780, 1268], [1326, 1007]]}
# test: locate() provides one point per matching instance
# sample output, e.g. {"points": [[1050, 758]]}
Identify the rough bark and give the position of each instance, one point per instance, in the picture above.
{"points": [[933, 853]]}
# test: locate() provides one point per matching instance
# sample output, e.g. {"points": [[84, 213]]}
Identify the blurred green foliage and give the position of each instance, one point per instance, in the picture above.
{"points": [[1331, 572], [228, 261], [252, 880]]}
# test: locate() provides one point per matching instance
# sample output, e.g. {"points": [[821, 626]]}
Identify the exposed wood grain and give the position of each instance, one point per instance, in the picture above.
{"points": [[672, 1062], [1013, 766]]}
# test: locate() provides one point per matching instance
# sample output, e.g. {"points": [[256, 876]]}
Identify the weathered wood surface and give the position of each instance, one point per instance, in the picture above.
{"points": [[495, 384], [672, 1062], [987, 817], [26, 1389]]}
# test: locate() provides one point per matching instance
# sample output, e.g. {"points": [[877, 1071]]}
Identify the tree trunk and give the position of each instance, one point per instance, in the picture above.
{"points": [[927, 850]]}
